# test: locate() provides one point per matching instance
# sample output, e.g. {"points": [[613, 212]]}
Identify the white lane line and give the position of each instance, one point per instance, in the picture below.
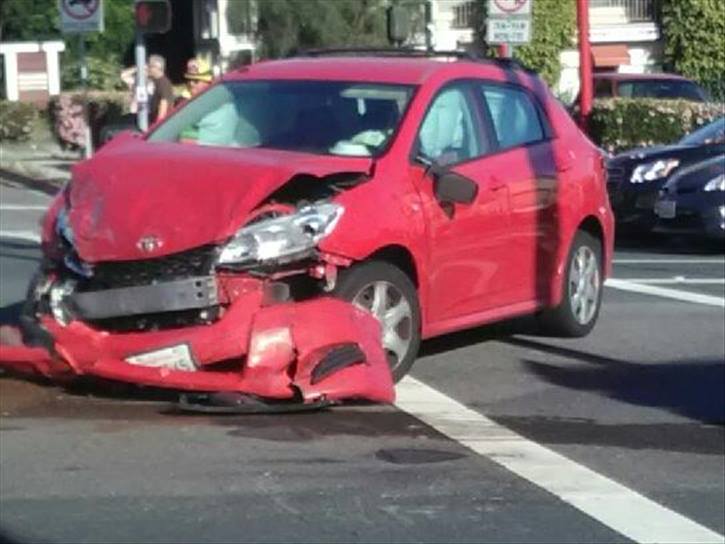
{"points": [[675, 294], [29, 235], [613, 504], [715, 260], [22, 207], [677, 280]]}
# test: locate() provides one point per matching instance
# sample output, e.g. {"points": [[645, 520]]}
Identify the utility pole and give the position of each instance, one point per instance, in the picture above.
{"points": [[142, 95], [585, 62]]}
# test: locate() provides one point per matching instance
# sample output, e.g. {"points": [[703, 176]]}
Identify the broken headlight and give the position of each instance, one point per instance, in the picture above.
{"points": [[282, 239]]}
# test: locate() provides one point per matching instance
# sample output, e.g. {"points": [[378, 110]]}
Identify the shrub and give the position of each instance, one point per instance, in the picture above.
{"points": [[693, 32], [622, 123], [66, 113], [17, 120]]}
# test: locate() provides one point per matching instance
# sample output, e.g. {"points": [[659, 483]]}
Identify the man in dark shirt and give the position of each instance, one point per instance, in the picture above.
{"points": [[162, 98]]}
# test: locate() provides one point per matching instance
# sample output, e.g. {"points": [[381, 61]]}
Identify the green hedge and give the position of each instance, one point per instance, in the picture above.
{"points": [[623, 123], [17, 120]]}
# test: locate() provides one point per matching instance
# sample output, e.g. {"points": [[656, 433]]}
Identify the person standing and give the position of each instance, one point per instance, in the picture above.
{"points": [[162, 99]]}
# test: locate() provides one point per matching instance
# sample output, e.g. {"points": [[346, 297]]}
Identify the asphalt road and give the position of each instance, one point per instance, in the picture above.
{"points": [[502, 435]]}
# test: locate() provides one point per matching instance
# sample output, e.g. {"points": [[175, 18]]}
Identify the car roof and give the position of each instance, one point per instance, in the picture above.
{"points": [[400, 70], [629, 77]]}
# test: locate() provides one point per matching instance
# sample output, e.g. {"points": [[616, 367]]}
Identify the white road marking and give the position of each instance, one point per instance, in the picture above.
{"points": [[677, 280], [714, 260], [29, 235], [22, 207], [613, 504], [675, 294]]}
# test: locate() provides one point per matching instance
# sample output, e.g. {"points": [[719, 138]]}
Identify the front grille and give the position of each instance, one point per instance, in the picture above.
{"points": [[116, 274], [194, 262], [615, 175]]}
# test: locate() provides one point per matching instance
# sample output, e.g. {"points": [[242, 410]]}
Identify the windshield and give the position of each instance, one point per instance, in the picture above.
{"points": [[712, 133], [661, 88], [323, 117]]}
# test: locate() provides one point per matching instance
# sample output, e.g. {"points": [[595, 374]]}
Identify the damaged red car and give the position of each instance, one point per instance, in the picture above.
{"points": [[292, 233]]}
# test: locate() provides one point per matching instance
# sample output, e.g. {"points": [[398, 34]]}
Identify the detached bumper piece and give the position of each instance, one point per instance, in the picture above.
{"points": [[241, 403], [282, 357]]}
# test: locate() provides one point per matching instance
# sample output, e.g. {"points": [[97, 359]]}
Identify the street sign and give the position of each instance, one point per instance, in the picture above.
{"points": [[78, 16], [505, 8], [509, 30], [508, 22]]}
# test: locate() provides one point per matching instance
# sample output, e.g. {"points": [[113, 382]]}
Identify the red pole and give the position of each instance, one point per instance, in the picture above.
{"points": [[585, 62], [503, 50]]}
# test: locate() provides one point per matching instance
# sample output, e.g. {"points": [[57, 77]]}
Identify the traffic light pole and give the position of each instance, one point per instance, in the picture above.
{"points": [[87, 143], [585, 62], [142, 98]]}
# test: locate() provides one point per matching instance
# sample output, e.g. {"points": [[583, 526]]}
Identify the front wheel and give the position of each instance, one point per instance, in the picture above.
{"points": [[581, 299], [386, 291]]}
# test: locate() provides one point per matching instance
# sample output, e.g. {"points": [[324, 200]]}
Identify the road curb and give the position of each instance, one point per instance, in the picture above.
{"points": [[32, 178]]}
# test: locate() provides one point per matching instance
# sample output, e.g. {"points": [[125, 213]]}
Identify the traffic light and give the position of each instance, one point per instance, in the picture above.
{"points": [[153, 16]]}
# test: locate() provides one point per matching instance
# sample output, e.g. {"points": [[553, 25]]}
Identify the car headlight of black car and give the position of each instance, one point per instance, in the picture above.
{"points": [[715, 184], [651, 171]]}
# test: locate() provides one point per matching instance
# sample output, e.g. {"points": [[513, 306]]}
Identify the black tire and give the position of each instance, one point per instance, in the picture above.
{"points": [[357, 280], [562, 320]]}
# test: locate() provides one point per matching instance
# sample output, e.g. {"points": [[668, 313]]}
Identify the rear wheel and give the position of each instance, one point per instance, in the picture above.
{"points": [[386, 291], [581, 300]]}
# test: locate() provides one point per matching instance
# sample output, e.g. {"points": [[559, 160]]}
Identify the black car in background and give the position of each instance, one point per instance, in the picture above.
{"points": [[693, 200], [637, 176]]}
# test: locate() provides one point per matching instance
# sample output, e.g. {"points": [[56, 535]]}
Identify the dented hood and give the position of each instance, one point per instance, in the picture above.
{"points": [[181, 196]]}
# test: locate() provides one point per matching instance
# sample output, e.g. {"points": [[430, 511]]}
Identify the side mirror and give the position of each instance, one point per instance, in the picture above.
{"points": [[450, 187]]}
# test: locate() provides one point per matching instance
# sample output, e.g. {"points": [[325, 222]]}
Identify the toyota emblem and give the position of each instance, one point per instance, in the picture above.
{"points": [[149, 244]]}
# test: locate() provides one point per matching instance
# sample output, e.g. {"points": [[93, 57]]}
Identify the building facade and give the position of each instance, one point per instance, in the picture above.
{"points": [[625, 36]]}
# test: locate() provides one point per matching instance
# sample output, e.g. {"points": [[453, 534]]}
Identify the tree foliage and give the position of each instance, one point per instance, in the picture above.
{"points": [[694, 33], [289, 25], [36, 20]]}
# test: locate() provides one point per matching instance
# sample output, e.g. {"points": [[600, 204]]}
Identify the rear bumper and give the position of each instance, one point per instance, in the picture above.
{"points": [[321, 348], [694, 215]]}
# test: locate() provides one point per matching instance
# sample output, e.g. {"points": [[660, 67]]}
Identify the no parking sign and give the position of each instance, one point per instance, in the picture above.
{"points": [[78, 16]]}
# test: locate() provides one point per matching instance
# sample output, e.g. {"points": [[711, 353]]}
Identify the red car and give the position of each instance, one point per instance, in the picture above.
{"points": [[297, 229]]}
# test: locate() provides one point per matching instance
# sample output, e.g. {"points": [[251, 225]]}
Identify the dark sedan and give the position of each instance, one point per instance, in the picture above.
{"points": [[693, 200], [637, 176]]}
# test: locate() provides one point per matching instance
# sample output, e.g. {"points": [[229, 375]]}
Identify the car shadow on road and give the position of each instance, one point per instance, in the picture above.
{"points": [[496, 331], [692, 388], [655, 243]]}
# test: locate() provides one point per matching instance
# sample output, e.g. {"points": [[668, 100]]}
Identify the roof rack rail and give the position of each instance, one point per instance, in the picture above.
{"points": [[506, 63]]}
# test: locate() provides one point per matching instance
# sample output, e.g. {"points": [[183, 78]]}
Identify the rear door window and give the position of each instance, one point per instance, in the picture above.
{"points": [[514, 115]]}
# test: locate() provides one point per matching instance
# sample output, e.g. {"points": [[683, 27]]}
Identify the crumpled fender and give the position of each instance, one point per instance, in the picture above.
{"points": [[322, 348], [319, 330]]}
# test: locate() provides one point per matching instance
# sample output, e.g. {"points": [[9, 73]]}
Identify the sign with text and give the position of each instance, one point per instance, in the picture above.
{"points": [[506, 8], [78, 16], [508, 22]]}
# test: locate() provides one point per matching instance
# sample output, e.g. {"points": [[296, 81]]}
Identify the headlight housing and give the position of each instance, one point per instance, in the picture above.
{"points": [[651, 171], [715, 184], [282, 239], [63, 227]]}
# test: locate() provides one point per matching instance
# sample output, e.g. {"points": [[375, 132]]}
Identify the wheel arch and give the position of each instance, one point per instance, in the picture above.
{"points": [[593, 226], [399, 256]]}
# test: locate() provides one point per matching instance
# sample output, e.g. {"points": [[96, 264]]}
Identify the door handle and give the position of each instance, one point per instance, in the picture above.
{"points": [[496, 184], [565, 162]]}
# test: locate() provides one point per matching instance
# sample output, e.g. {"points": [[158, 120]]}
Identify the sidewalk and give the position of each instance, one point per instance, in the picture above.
{"points": [[36, 163]]}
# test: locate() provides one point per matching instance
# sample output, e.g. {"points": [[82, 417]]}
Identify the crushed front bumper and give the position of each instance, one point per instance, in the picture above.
{"points": [[319, 349]]}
